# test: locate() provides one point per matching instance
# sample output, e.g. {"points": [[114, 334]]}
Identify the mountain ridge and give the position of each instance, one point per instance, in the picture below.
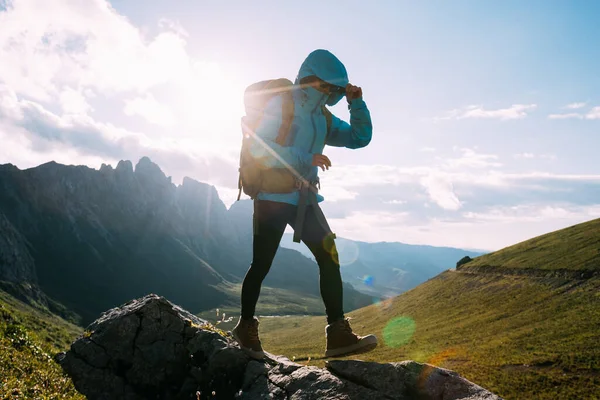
{"points": [[575, 248], [100, 236], [386, 268]]}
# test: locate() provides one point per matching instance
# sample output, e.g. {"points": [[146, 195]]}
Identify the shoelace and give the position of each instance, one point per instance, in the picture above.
{"points": [[345, 326]]}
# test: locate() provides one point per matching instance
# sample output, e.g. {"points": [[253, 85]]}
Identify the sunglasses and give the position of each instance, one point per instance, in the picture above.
{"points": [[334, 89]]}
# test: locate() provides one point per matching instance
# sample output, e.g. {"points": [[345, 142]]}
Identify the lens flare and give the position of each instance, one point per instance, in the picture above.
{"points": [[368, 280], [383, 304], [442, 356], [348, 252], [399, 331], [434, 361]]}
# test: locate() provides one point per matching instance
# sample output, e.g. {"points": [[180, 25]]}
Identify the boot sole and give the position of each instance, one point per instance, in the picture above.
{"points": [[369, 343], [257, 355]]}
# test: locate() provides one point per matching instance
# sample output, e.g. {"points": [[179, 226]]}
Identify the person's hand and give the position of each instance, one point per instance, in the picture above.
{"points": [[353, 92], [320, 160]]}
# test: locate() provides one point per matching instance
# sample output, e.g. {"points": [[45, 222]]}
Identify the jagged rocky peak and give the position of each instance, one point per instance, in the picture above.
{"points": [[106, 168], [147, 171], [146, 167], [150, 348], [125, 167]]}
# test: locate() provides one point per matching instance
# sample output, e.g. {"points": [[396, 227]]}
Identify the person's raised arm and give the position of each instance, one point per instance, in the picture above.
{"points": [[358, 132]]}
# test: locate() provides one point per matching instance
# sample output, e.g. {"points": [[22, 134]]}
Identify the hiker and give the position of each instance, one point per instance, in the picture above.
{"points": [[321, 81]]}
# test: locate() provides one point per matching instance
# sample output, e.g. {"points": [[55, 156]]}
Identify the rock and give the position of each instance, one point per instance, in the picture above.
{"points": [[463, 261], [150, 348], [417, 380]]}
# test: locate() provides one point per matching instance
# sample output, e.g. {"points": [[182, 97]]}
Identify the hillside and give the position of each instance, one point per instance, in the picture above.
{"points": [[387, 269], [29, 340], [87, 240], [523, 335], [574, 249]]}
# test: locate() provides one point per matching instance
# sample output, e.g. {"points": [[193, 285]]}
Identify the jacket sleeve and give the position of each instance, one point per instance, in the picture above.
{"points": [[355, 134], [264, 148]]}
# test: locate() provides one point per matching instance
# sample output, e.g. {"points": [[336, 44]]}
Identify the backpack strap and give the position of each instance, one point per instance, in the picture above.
{"points": [[287, 117]]}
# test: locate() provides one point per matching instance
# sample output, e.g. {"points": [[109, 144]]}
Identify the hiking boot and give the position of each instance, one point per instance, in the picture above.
{"points": [[246, 334], [341, 341]]}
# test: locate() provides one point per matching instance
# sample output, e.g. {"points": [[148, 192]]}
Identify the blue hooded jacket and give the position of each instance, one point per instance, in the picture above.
{"points": [[309, 127]]}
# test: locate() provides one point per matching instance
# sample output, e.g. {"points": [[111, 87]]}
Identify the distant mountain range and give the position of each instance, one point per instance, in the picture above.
{"points": [[79, 240], [387, 269], [82, 240]]}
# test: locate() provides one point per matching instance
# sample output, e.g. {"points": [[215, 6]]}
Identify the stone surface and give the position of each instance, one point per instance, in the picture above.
{"points": [[150, 348]]}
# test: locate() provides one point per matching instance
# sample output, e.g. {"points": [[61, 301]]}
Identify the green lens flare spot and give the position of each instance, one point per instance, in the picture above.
{"points": [[399, 331]]}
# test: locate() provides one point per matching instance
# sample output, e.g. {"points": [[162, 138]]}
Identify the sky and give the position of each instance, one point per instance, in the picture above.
{"points": [[486, 115]]}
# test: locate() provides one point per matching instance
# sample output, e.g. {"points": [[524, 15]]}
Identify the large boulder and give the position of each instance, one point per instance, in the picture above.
{"points": [[150, 348]]}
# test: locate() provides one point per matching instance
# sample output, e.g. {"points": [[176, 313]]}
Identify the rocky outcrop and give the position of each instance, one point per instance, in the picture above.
{"points": [[463, 261], [150, 348]]}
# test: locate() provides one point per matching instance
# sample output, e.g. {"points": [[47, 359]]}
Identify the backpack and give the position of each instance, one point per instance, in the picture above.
{"points": [[253, 176]]}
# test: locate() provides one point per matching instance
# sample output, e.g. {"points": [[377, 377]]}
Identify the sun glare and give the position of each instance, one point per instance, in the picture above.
{"points": [[211, 105]]}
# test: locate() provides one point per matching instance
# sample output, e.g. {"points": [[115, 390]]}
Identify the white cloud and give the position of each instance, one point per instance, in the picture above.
{"points": [[338, 193], [32, 129], [73, 102], [427, 149], [444, 186], [174, 26], [594, 113], [532, 156], [525, 155], [575, 106], [83, 44], [441, 191], [471, 159], [492, 230], [535, 213], [149, 108], [394, 201], [516, 111], [62, 61], [359, 225], [565, 116], [78, 50]]}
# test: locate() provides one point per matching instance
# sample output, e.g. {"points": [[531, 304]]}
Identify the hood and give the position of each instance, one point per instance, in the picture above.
{"points": [[327, 67]]}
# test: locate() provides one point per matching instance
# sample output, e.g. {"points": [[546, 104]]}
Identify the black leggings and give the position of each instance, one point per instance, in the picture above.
{"points": [[271, 219]]}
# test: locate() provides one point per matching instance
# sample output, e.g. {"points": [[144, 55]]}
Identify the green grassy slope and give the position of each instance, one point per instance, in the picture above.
{"points": [[576, 248], [29, 339], [519, 335]]}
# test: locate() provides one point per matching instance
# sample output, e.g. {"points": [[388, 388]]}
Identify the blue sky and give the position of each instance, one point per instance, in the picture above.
{"points": [[486, 114]]}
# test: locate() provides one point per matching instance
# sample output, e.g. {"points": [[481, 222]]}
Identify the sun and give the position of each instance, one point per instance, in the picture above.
{"points": [[210, 105]]}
